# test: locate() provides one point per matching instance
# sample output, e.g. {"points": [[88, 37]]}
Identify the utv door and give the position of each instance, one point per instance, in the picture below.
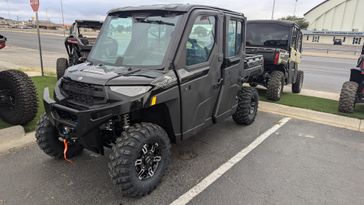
{"points": [[233, 67], [198, 64]]}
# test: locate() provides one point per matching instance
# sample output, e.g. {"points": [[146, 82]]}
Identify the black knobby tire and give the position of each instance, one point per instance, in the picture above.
{"points": [[48, 140], [275, 86], [24, 101], [248, 100], [62, 65], [297, 86], [127, 151], [348, 97]]}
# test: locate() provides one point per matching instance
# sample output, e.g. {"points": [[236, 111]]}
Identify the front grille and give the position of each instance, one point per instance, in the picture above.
{"points": [[83, 93]]}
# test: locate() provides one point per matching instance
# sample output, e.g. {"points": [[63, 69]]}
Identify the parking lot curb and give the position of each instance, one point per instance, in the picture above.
{"points": [[313, 116], [11, 133], [16, 142]]}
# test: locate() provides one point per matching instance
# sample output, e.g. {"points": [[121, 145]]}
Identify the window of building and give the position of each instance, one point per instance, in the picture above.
{"points": [[316, 39], [201, 40], [234, 38], [308, 37], [344, 39], [356, 40]]}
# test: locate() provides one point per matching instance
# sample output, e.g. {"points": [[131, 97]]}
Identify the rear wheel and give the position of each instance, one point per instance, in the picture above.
{"points": [[275, 86], [297, 86], [348, 97], [18, 96], [139, 159], [62, 65], [49, 142], [246, 112]]}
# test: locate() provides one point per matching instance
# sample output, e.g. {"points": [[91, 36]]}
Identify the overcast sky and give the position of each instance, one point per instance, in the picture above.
{"points": [[97, 9]]}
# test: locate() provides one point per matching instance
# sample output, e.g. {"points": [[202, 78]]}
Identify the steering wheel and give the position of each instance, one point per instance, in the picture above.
{"points": [[194, 44]]}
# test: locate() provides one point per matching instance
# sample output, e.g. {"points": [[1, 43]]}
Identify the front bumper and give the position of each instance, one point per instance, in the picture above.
{"points": [[83, 124]]}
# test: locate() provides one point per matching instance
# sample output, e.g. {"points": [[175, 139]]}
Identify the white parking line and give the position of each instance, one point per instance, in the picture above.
{"points": [[211, 178]]}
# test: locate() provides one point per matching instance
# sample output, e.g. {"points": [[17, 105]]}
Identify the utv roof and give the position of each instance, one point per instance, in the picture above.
{"points": [[171, 7], [89, 23], [280, 22]]}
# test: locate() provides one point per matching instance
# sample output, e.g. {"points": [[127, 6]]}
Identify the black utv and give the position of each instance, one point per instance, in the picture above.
{"points": [[18, 97], [82, 37], [280, 42], [157, 75], [352, 91]]}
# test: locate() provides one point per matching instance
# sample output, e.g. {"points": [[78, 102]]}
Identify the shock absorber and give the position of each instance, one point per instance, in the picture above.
{"points": [[125, 121]]}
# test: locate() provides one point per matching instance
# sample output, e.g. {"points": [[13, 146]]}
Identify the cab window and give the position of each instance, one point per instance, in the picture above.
{"points": [[201, 40], [234, 37]]}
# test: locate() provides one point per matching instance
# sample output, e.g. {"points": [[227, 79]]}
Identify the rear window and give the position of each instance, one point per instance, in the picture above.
{"points": [[267, 35]]}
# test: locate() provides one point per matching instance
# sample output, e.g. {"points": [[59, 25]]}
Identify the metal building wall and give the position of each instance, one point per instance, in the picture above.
{"points": [[337, 15]]}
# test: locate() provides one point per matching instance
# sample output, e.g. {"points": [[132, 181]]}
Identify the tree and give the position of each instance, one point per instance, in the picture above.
{"points": [[300, 21]]}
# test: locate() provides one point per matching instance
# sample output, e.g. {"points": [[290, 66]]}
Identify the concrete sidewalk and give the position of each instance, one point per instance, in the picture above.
{"points": [[313, 116], [331, 55], [315, 93]]}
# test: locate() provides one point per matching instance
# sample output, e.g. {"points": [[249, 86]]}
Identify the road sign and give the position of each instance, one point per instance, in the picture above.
{"points": [[35, 5]]}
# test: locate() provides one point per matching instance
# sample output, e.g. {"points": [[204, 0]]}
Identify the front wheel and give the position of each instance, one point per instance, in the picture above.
{"points": [[348, 97], [139, 159], [248, 100], [62, 65], [48, 140]]}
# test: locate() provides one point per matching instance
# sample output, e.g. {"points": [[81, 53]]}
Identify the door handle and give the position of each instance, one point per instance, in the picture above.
{"points": [[218, 84]]}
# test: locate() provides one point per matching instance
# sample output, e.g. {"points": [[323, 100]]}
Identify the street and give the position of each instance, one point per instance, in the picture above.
{"points": [[326, 74], [320, 165], [50, 43]]}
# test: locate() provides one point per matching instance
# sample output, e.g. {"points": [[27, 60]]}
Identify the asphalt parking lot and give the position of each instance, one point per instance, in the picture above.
{"points": [[294, 165]]}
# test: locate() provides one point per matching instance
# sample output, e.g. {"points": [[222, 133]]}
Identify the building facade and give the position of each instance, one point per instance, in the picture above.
{"points": [[336, 21]]}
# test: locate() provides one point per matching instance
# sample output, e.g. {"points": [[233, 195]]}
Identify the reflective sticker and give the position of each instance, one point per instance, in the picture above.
{"points": [[153, 101]]}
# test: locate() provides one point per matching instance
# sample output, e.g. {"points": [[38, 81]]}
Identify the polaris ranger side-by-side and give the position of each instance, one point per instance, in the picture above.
{"points": [[18, 97], [171, 71], [82, 37], [352, 91], [280, 42]]}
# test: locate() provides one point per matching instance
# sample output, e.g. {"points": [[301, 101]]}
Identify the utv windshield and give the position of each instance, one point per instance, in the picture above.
{"points": [[139, 39], [267, 35]]}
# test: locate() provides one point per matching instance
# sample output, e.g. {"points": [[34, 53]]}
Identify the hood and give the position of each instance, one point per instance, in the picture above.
{"points": [[102, 75]]}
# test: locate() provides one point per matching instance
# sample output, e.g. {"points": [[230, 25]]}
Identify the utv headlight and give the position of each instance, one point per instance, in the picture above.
{"points": [[130, 91]]}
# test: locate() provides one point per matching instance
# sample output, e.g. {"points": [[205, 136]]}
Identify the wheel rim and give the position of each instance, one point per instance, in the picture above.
{"points": [[148, 161]]}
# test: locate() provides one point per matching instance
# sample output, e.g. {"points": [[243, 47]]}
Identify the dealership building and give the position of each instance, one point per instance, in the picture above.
{"points": [[340, 21]]}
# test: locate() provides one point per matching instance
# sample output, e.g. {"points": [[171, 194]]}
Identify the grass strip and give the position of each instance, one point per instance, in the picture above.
{"points": [[314, 103]]}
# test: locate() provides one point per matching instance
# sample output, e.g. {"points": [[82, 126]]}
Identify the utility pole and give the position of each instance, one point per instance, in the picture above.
{"points": [[274, 6], [64, 29], [295, 8], [7, 4]]}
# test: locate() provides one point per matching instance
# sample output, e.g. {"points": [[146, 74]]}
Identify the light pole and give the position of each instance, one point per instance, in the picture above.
{"points": [[295, 8], [274, 6], [64, 31]]}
